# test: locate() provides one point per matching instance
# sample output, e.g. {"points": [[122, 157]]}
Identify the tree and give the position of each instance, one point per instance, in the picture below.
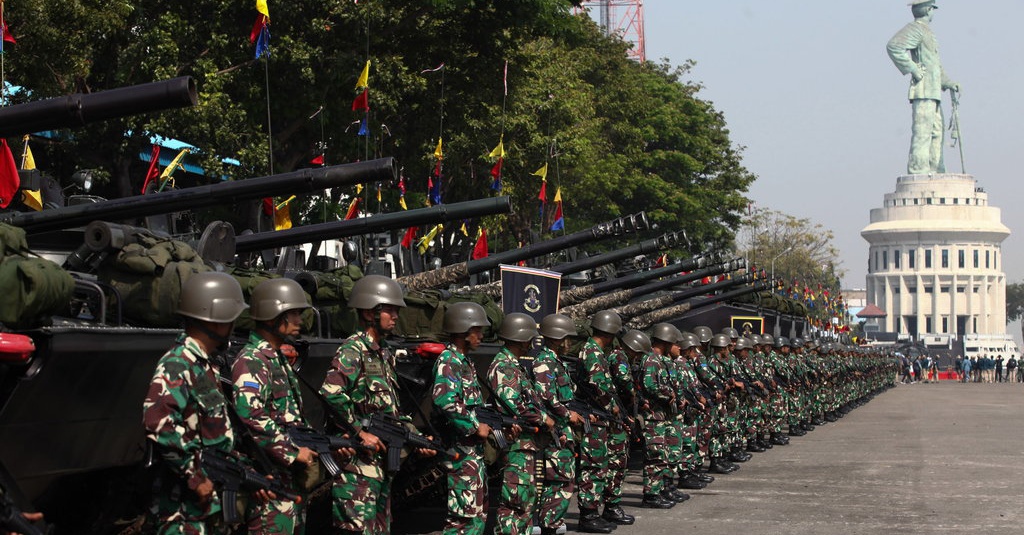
{"points": [[619, 136], [1014, 301]]}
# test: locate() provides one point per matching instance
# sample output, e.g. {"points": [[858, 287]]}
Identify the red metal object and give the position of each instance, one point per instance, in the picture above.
{"points": [[429, 349], [16, 348]]}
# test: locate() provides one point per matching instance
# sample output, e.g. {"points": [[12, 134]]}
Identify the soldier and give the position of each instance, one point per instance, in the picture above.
{"points": [[555, 387], [513, 388], [618, 434], [362, 382], [595, 386], [266, 395], [456, 394], [185, 411], [695, 428], [658, 413]]}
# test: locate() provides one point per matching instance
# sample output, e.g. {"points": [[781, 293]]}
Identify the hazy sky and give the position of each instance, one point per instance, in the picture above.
{"points": [[807, 88]]}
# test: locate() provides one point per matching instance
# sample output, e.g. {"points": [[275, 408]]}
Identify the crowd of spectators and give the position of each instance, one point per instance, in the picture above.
{"points": [[984, 369]]}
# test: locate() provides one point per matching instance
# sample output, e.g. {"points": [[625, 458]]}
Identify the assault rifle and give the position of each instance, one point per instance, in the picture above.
{"points": [[324, 446], [396, 435], [498, 422], [585, 410], [232, 476]]}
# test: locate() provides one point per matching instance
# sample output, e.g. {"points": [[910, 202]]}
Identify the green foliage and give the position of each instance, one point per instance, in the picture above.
{"points": [[1014, 301], [619, 137]]}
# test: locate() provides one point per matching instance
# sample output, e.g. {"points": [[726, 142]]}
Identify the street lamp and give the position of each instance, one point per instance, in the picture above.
{"points": [[777, 331]]}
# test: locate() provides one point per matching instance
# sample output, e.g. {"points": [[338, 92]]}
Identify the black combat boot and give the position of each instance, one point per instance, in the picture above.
{"points": [[796, 431], [616, 515], [830, 416], [818, 420], [689, 480], [720, 465], [548, 531], [764, 442], [591, 522], [779, 440], [807, 425], [705, 477], [655, 501], [674, 496], [754, 447], [737, 455]]}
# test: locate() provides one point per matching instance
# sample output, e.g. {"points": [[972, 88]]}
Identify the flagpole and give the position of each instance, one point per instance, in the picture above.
{"points": [[270, 137]]}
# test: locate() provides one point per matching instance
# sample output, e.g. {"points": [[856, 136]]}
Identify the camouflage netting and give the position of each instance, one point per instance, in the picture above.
{"points": [[424, 316], [148, 276], [774, 301], [34, 289]]}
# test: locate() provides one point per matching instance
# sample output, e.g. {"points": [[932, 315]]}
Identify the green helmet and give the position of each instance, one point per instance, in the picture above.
{"points": [[781, 341], [273, 297], [665, 332], [518, 327], [755, 339], [721, 340], [689, 340], [731, 332], [743, 343], [461, 317], [372, 291], [211, 296], [637, 341], [606, 321], [557, 326], [796, 342], [766, 340], [704, 333]]}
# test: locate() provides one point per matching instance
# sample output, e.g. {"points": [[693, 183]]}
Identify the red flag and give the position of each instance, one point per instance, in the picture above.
{"points": [[319, 160], [6, 32], [480, 251], [154, 168], [9, 179], [410, 235], [543, 195], [268, 206], [362, 102], [496, 170], [662, 261], [257, 27], [353, 209]]}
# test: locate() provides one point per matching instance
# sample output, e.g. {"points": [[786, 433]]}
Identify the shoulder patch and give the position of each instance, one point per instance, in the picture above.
{"points": [[250, 384]]}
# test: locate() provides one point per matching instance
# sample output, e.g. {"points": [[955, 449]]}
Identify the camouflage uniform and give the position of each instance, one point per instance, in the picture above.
{"points": [[512, 385], [592, 477], [361, 382], [657, 390], [267, 400], [184, 412], [618, 435], [554, 385], [456, 393]]}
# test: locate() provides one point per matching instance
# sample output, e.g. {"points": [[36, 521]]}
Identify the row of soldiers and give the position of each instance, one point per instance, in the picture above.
{"points": [[563, 421]]}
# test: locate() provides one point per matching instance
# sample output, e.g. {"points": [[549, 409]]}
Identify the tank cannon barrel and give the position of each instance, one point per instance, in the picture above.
{"points": [[376, 223], [660, 243], [449, 274], [573, 296], [301, 181], [646, 320], [81, 109], [662, 301]]}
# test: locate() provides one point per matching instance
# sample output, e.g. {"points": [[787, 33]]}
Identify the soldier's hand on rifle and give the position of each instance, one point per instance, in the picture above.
{"points": [[371, 441], [426, 452], [549, 422], [31, 517], [483, 431], [306, 456], [515, 431], [204, 490], [264, 495], [575, 418]]}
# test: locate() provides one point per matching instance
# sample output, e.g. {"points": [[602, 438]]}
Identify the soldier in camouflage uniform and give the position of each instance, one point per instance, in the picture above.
{"points": [[512, 388], [185, 410], [696, 428], [456, 394], [658, 413], [555, 387], [267, 397], [362, 382], [618, 435], [595, 386]]}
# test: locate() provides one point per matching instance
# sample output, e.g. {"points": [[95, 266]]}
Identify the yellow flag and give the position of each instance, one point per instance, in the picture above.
{"points": [[558, 195], [364, 77], [31, 197], [171, 167], [464, 231], [283, 215], [437, 152], [401, 202], [499, 151], [261, 6], [425, 241], [542, 172], [359, 189], [378, 193]]}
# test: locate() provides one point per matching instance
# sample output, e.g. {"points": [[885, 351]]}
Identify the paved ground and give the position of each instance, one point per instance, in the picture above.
{"points": [[921, 458]]}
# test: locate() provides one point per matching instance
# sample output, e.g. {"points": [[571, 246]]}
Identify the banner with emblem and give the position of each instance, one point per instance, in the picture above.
{"points": [[530, 291], [747, 324]]}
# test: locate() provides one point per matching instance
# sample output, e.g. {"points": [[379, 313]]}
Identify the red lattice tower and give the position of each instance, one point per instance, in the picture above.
{"points": [[624, 18]]}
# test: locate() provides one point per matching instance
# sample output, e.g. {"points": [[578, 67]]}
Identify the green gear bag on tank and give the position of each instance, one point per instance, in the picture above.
{"points": [[148, 276], [249, 279], [423, 318], [333, 289], [33, 289]]}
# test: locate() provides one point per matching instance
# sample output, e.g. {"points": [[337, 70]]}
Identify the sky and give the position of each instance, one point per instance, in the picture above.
{"points": [[822, 113]]}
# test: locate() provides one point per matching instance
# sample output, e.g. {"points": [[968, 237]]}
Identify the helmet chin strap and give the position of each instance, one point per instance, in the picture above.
{"points": [[222, 341]]}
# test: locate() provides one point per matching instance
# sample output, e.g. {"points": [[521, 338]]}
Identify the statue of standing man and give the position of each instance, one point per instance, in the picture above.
{"points": [[915, 51]]}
